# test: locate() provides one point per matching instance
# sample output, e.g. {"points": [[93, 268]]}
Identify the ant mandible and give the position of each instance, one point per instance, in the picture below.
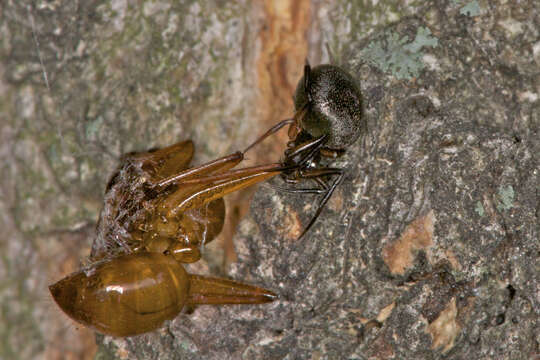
{"points": [[327, 119]]}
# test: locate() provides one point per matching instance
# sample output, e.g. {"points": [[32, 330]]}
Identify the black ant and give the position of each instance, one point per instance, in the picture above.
{"points": [[327, 119]]}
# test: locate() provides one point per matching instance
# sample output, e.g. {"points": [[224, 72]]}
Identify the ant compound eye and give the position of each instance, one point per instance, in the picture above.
{"points": [[334, 105]]}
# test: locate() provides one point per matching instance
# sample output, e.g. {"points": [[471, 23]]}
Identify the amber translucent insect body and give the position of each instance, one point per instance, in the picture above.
{"points": [[135, 293], [157, 214], [327, 120], [155, 202]]}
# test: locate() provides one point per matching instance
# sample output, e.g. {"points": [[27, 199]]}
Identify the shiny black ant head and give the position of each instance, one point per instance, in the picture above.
{"points": [[333, 105]]}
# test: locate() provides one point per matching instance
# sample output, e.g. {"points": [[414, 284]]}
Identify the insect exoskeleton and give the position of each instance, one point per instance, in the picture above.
{"points": [[128, 295], [156, 202], [135, 293], [158, 212]]}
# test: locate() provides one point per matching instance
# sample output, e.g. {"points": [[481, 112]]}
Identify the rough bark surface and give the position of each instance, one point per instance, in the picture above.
{"points": [[429, 248]]}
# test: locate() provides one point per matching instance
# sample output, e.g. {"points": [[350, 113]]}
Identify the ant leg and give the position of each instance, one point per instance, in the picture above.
{"points": [[317, 173], [297, 176], [234, 180], [294, 128], [300, 191], [323, 184], [221, 164], [210, 290], [330, 153], [314, 146]]}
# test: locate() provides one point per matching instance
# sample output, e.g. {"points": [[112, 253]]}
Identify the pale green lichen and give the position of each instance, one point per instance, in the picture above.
{"points": [[399, 56], [92, 128], [470, 9], [479, 208], [505, 198]]}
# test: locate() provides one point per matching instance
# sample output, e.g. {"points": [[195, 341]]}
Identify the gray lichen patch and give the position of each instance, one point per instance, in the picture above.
{"points": [[398, 54], [479, 208], [471, 8], [505, 198]]}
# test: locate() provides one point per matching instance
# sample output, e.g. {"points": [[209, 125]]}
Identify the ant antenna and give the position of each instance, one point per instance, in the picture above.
{"points": [[271, 131]]}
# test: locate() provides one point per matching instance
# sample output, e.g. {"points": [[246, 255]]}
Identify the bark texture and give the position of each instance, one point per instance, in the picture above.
{"points": [[428, 249]]}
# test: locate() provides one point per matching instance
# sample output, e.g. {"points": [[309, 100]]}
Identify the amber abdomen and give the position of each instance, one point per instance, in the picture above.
{"points": [[133, 294]]}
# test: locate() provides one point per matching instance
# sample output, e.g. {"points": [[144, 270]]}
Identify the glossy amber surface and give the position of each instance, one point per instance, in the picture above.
{"points": [[156, 202], [133, 294], [157, 214], [139, 196]]}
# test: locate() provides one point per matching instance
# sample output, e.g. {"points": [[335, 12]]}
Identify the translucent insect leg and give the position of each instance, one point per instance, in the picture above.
{"points": [[217, 186], [210, 290], [167, 161]]}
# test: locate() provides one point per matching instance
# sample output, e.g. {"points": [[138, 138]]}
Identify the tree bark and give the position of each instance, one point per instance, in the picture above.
{"points": [[429, 247]]}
